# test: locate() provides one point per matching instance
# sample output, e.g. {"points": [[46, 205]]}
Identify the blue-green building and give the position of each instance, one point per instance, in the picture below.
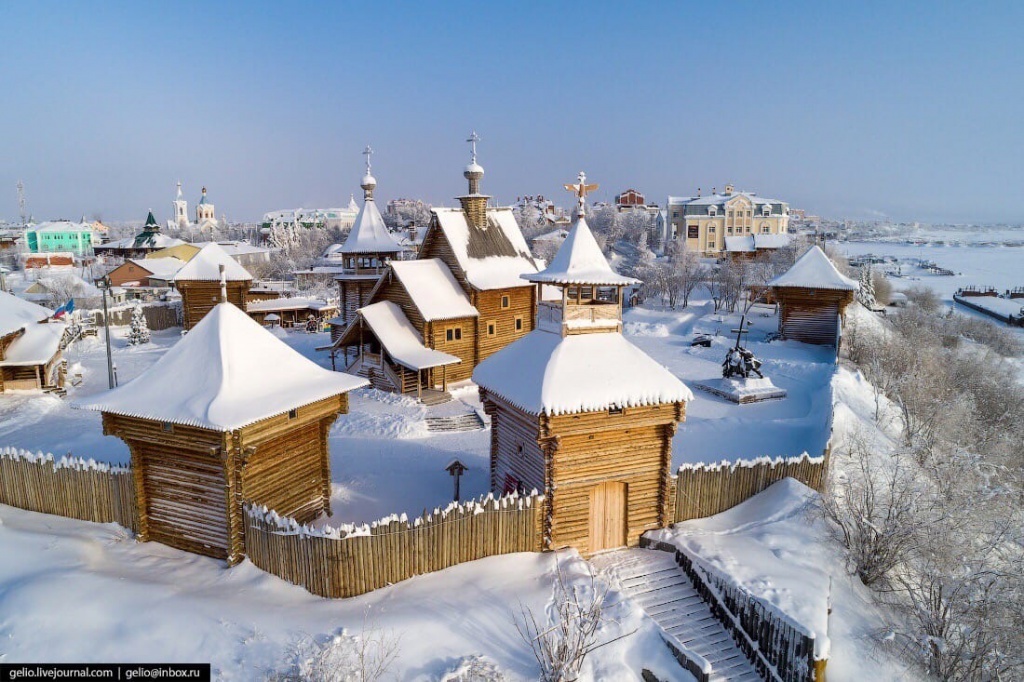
{"points": [[61, 236]]}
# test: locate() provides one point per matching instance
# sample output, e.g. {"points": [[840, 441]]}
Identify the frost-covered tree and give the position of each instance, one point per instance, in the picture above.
{"points": [[866, 292], [138, 332]]}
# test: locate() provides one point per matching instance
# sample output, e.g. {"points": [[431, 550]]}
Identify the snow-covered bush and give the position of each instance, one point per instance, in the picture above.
{"points": [[340, 658], [138, 332]]}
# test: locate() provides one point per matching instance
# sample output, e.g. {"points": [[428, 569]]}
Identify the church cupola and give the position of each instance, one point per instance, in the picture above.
{"points": [[368, 183], [474, 203], [591, 289]]}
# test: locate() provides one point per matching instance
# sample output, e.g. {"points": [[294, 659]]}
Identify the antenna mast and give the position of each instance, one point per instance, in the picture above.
{"points": [[21, 202]]}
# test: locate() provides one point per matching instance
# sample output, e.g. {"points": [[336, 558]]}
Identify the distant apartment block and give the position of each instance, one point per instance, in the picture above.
{"points": [[705, 221], [61, 236]]}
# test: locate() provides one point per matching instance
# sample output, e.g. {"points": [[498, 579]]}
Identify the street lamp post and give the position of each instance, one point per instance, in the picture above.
{"points": [[105, 286]]}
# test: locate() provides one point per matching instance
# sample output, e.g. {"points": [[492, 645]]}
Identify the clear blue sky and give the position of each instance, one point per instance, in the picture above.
{"points": [[911, 110]]}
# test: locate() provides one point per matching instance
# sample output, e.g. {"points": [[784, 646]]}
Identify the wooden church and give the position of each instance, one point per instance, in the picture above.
{"points": [[579, 412], [199, 283], [366, 253], [812, 297], [229, 414], [462, 298]]}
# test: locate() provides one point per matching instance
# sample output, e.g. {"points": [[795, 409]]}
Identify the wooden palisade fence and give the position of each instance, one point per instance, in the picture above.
{"points": [[69, 486], [344, 562], [777, 646], [707, 489]]}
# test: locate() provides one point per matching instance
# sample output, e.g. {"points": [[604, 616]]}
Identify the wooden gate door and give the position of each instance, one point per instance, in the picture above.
{"points": [[608, 516], [186, 501]]}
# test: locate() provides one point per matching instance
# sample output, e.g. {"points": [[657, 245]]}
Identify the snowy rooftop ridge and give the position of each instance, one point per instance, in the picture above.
{"points": [[493, 257], [369, 234], [17, 313], [401, 340], [433, 289], [205, 266], [814, 270], [545, 373], [226, 373], [579, 261]]}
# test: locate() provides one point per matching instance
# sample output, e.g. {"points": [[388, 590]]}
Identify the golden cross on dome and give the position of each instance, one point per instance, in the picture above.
{"points": [[581, 190]]}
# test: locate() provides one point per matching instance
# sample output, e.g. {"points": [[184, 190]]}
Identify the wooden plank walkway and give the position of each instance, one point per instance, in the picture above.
{"points": [[659, 586]]}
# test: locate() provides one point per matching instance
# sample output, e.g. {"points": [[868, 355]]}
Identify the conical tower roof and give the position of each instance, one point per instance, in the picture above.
{"points": [[226, 373], [814, 270], [369, 234], [580, 261], [205, 266], [151, 224]]}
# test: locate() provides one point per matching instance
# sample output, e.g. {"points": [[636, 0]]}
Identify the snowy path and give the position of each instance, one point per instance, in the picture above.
{"points": [[659, 586]]}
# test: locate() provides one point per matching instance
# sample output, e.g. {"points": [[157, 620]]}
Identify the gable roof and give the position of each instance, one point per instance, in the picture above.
{"points": [[161, 268], [205, 266], [814, 270], [545, 373], [17, 313], [492, 257], [400, 339], [369, 234], [226, 373], [579, 261], [433, 289]]}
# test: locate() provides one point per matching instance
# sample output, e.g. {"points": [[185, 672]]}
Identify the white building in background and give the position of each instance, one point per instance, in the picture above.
{"points": [[328, 218], [205, 215]]}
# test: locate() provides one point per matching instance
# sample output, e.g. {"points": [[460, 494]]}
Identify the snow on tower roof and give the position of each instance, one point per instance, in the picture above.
{"points": [[545, 373], [579, 261], [401, 340], [205, 266], [369, 234], [226, 373], [493, 257], [814, 270], [433, 289]]}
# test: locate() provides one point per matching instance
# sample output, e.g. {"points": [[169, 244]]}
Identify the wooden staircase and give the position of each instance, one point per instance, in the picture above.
{"points": [[462, 422], [654, 580]]}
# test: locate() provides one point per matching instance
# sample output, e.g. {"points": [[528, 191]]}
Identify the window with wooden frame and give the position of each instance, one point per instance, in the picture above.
{"points": [[506, 301], [292, 414], [492, 328], [615, 409], [519, 323], [587, 293], [453, 334], [168, 427]]}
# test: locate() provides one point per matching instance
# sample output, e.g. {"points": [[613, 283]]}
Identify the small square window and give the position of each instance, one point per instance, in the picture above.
{"points": [[292, 414], [614, 410], [168, 427], [505, 302], [519, 324], [492, 329]]}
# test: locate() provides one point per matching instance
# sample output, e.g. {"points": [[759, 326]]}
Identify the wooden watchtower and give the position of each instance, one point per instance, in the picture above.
{"points": [[366, 253], [230, 413], [579, 412], [812, 297], [199, 283]]}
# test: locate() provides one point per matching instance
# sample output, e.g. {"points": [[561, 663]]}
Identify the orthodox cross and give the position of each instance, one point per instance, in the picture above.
{"points": [[473, 139], [368, 152], [581, 190]]}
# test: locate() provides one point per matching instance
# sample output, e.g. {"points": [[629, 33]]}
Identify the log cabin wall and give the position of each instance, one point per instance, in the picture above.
{"points": [[199, 298], [464, 348], [516, 456], [811, 315], [521, 306], [355, 293]]}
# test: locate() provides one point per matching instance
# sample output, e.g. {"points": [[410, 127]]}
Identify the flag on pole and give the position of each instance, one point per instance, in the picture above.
{"points": [[64, 309]]}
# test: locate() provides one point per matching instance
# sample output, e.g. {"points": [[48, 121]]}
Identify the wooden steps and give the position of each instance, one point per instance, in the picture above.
{"points": [[433, 396], [462, 422], [655, 582]]}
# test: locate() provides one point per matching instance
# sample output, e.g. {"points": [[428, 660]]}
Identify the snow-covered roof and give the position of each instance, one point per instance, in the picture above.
{"points": [[236, 248], [433, 289], [294, 303], [161, 268], [16, 313], [553, 236], [36, 346], [61, 226], [493, 257], [814, 270], [756, 242], [579, 261], [400, 339], [369, 234], [546, 373], [740, 244], [149, 240], [205, 266], [719, 199], [226, 373]]}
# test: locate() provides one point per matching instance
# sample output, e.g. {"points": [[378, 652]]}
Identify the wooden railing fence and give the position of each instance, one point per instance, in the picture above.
{"points": [[707, 489], [67, 486], [344, 562], [777, 646]]}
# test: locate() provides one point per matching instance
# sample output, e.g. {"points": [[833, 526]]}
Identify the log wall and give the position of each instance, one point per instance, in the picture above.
{"points": [[708, 489], [522, 304], [353, 561], [70, 486], [355, 293], [811, 315], [158, 317], [199, 298], [464, 349], [516, 455]]}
